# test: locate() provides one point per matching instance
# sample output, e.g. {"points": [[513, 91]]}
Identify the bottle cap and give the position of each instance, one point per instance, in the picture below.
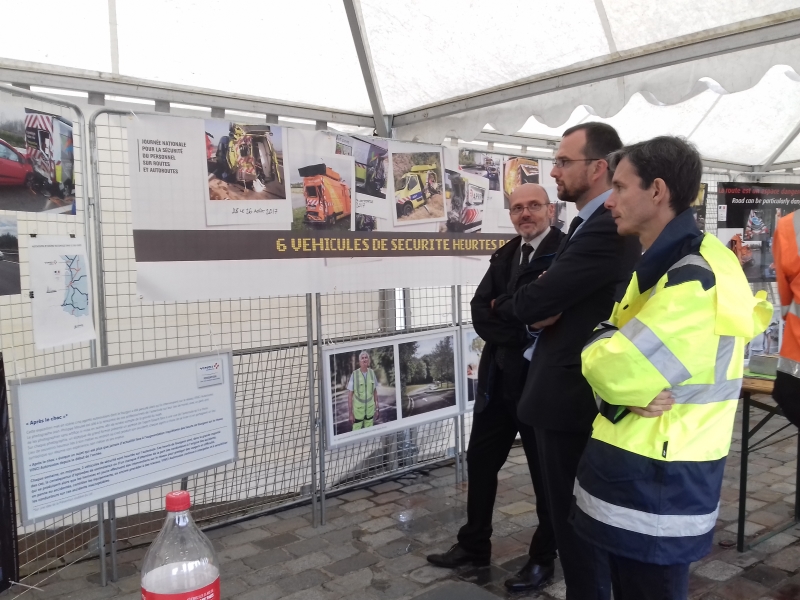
{"points": [[178, 501]]}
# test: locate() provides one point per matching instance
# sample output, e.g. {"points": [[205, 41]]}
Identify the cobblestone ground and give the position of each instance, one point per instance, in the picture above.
{"points": [[375, 539]]}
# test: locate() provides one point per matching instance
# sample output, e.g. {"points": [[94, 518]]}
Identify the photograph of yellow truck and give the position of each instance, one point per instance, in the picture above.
{"points": [[418, 187]]}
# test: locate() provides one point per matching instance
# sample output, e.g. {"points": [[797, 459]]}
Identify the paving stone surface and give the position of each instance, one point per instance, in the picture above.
{"points": [[375, 540]]}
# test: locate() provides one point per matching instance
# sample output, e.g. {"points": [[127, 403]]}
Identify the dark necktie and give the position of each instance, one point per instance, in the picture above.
{"points": [[576, 222], [523, 263]]}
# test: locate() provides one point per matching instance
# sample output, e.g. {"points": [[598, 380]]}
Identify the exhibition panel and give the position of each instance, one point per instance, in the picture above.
{"points": [[54, 202]]}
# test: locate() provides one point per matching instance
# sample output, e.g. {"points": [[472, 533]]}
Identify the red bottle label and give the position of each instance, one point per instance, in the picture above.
{"points": [[210, 592]]}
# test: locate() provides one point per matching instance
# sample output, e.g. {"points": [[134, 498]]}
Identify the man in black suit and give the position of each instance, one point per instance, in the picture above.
{"points": [[501, 376], [591, 269]]}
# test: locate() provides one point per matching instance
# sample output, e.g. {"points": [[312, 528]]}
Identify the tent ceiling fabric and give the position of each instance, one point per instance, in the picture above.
{"points": [[65, 35], [297, 52], [426, 53]]}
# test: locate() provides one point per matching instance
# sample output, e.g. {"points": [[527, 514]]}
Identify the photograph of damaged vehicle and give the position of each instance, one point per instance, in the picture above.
{"points": [[464, 200], [418, 187], [327, 195], [245, 162]]}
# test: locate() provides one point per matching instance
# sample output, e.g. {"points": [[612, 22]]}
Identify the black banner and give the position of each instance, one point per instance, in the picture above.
{"points": [[9, 555], [153, 245]]}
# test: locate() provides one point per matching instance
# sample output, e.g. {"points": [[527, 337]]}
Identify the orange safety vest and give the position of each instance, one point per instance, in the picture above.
{"points": [[786, 250]]}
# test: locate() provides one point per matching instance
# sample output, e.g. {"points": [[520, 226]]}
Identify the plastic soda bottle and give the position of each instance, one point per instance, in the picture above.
{"points": [[181, 563]]}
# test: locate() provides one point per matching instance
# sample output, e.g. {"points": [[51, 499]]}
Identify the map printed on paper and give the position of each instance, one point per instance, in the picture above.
{"points": [[76, 296], [61, 288]]}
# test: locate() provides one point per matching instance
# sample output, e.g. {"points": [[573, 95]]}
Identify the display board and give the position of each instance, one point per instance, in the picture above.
{"points": [[747, 214], [389, 384], [9, 554], [223, 209], [89, 436]]}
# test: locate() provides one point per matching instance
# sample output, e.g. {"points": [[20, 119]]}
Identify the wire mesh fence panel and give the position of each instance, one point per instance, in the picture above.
{"points": [[268, 337], [353, 317], [39, 211]]}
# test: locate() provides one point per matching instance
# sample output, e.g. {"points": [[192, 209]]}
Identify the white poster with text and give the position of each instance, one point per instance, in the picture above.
{"points": [[89, 436]]}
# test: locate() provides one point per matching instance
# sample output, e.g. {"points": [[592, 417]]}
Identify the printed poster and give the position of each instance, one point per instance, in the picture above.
{"points": [[37, 161], [387, 385], [246, 173], [337, 229], [748, 214], [62, 291]]}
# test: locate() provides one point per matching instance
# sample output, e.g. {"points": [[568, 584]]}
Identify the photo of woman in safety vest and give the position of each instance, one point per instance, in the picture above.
{"points": [[362, 394]]}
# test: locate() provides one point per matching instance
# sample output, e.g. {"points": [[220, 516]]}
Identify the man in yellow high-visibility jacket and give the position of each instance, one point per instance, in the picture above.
{"points": [[666, 370], [362, 394]]}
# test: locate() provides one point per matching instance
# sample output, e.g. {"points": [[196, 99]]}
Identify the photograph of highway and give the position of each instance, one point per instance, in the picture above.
{"points": [[427, 375]]}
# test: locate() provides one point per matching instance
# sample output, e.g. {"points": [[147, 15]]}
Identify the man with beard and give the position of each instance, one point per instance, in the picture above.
{"points": [[501, 376], [591, 270]]}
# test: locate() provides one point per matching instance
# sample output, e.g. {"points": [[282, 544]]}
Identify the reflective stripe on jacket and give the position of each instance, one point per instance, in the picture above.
{"points": [[786, 251], [648, 488]]}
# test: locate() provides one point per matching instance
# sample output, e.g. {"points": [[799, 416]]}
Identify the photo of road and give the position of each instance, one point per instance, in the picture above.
{"points": [[427, 375], [9, 257]]}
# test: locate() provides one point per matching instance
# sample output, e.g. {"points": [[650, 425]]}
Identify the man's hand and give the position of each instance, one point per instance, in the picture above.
{"points": [[657, 407], [546, 322], [491, 306]]}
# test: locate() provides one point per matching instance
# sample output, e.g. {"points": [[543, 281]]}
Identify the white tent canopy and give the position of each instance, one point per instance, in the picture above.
{"points": [[721, 72]]}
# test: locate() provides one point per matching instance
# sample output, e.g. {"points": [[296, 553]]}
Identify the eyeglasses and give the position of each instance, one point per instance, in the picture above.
{"points": [[518, 210], [563, 162]]}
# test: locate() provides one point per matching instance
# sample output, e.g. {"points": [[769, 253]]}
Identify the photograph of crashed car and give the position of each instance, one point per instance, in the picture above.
{"points": [[36, 161], [483, 164], [245, 162], [465, 195], [748, 214], [418, 184]]}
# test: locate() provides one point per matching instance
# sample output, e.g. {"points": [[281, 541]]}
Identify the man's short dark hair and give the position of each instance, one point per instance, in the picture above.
{"points": [[601, 139], [666, 157]]}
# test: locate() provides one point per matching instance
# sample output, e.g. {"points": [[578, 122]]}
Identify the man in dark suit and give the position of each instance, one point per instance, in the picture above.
{"points": [[501, 376], [591, 269]]}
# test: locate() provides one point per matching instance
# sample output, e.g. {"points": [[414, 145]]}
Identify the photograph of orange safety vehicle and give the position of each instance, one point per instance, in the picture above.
{"points": [[322, 193]]}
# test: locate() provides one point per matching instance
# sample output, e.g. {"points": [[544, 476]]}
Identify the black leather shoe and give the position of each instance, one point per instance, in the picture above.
{"points": [[456, 557], [531, 577]]}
